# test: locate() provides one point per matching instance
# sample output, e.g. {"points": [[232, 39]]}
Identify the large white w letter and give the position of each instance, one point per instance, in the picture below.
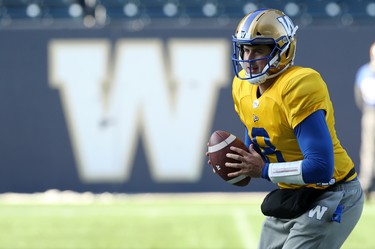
{"points": [[108, 103]]}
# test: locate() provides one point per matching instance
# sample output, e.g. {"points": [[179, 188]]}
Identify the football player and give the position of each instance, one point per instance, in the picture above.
{"points": [[289, 120]]}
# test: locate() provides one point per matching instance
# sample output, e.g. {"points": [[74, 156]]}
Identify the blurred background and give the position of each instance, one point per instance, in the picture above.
{"points": [[122, 95]]}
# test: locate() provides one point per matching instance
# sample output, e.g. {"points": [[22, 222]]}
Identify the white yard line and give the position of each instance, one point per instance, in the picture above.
{"points": [[244, 229]]}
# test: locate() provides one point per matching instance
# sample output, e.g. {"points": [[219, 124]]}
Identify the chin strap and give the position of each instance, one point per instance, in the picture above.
{"points": [[258, 80], [262, 78]]}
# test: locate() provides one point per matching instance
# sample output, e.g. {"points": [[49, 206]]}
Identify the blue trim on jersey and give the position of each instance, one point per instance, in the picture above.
{"points": [[316, 146]]}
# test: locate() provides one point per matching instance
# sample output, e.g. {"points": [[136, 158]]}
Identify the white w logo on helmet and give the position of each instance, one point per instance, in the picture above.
{"points": [[288, 25]]}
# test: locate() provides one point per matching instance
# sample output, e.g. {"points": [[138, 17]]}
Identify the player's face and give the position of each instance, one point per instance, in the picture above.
{"points": [[254, 52]]}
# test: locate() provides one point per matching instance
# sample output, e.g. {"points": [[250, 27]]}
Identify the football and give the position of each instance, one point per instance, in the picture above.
{"points": [[218, 146]]}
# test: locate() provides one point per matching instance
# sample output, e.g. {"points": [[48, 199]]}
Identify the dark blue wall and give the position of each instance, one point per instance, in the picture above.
{"points": [[36, 152]]}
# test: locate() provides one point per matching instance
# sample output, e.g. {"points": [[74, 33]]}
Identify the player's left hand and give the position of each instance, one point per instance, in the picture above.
{"points": [[250, 163]]}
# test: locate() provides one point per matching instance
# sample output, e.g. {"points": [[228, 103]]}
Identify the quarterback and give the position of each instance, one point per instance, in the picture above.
{"points": [[290, 132]]}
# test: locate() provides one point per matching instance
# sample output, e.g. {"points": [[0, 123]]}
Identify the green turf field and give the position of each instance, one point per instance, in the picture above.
{"points": [[207, 221]]}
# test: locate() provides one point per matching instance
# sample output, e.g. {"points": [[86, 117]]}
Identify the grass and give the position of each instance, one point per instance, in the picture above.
{"points": [[206, 221]]}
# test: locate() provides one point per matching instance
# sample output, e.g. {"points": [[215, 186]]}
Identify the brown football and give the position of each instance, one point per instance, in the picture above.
{"points": [[218, 146]]}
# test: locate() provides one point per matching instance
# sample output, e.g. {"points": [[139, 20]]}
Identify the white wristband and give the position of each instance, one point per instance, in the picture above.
{"points": [[288, 172]]}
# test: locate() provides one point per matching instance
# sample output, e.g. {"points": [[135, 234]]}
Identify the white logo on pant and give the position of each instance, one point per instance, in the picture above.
{"points": [[165, 94], [318, 211]]}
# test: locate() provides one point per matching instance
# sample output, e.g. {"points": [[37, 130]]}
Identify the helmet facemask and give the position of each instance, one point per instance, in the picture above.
{"points": [[238, 62]]}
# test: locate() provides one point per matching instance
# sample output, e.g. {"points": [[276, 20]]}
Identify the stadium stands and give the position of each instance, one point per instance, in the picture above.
{"points": [[92, 13]]}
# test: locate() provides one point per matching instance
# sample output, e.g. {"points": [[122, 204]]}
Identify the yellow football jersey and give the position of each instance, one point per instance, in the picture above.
{"points": [[271, 118]]}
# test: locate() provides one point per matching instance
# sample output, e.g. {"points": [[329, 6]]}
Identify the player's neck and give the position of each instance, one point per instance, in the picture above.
{"points": [[263, 87]]}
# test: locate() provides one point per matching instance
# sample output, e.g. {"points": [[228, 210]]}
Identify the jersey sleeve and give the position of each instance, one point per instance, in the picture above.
{"points": [[316, 146], [304, 94]]}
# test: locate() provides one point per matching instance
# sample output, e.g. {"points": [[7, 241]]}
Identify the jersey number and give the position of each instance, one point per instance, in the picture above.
{"points": [[269, 149]]}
